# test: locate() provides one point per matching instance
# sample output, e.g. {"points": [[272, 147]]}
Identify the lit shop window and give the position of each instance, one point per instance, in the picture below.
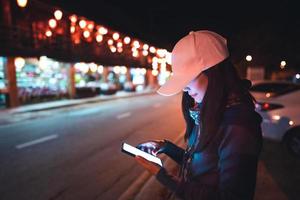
{"points": [[41, 78], [138, 77], [2, 72], [88, 74]]}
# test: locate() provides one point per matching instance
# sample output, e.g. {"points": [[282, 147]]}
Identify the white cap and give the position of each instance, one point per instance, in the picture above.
{"points": [[191, 55]]}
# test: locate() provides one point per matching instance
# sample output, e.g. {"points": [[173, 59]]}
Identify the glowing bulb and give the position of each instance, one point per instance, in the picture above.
{"points": [[102, 30], [120, 49], [135, 53], [161, 52], [145, 52], [93, 67], [82, 23], [155, 59], [48, 33], [72, 29], [291, 123], [268, 95], [297, 76], [90, 26], [99, 38], [110, 42], [127, 40], [116, 36], [86, 34], [119, 44], [143, 71], [52, 23], [113, 49], [136, 44], [19, 62], [100, 69], [58, 14], [145, 46], [117, 69], [22, 3], [152, 50], [154, 65], [282, 64], [154, 72], [73, 18], [123, 70], [248, 58]]}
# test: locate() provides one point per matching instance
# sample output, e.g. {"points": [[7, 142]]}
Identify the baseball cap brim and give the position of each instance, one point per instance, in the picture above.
{"points": [[178, 82]]}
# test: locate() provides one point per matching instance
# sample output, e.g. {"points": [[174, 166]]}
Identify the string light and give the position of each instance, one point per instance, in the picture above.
{"points": [[48, 33], [82, 23], [102, 30], [110, 42], [73, 18], [86, 34], [58, 14], [145, 52], [127, 40], [72, 29], [87, 31], [113, 49], [116, 36], [136, 44], [152, 49], [52, 23], [119, 44], [145, 46], [99, 38]]}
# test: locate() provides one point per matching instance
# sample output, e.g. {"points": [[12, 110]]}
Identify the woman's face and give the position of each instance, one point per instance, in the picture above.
{"points": [[197, 87]]}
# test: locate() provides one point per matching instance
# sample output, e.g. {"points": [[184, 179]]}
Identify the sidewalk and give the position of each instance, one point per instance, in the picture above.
{"points": [[8, 115]]}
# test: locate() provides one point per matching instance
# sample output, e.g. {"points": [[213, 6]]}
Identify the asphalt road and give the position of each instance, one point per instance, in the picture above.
{"points": [[74, 153]]}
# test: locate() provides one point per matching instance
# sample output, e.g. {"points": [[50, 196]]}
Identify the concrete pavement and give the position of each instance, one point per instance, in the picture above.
{"points": [[11, 115]]}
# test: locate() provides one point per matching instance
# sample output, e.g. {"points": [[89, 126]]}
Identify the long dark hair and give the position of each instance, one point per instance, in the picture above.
{"points": [[223, 80]]}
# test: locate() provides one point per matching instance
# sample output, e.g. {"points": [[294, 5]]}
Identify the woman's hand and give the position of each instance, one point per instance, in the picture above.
{"points": [[152, 147], [148, 165]]}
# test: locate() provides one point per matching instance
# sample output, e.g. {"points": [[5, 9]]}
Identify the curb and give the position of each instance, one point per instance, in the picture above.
{"points": [[139, 189]]}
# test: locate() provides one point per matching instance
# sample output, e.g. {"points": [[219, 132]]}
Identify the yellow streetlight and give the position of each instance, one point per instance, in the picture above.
{"points": [[282, 64], [248, 58], [22, 3]]}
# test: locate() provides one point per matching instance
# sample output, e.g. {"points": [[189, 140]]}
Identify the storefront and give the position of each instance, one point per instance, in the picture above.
{"points": [[44, 79], [41, 79], [2, 82]]}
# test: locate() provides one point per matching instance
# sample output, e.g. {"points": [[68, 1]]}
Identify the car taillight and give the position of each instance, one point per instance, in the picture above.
{"points": [[263, 106]]}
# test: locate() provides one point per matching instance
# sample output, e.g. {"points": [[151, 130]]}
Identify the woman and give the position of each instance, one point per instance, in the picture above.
{"points": [[222, 128]]}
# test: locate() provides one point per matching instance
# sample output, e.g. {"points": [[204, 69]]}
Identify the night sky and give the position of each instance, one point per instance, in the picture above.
{"points": [[268, 30]]}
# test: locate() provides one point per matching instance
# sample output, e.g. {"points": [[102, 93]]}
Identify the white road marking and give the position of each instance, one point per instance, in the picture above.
{"points": [[38, 141], [124, 115], [157, 105]]}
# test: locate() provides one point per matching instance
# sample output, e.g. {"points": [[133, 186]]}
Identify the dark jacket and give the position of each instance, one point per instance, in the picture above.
{"points": [[226, 168]]}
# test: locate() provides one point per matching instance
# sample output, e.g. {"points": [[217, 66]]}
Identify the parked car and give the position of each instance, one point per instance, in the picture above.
{"points": [[278, 102]]}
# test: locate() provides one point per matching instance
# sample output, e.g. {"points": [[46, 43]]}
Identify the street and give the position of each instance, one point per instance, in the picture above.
{"points": [[74, 153]]}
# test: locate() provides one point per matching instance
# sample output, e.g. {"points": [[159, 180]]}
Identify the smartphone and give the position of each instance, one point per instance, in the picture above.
{"points": [[132, 151]]}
